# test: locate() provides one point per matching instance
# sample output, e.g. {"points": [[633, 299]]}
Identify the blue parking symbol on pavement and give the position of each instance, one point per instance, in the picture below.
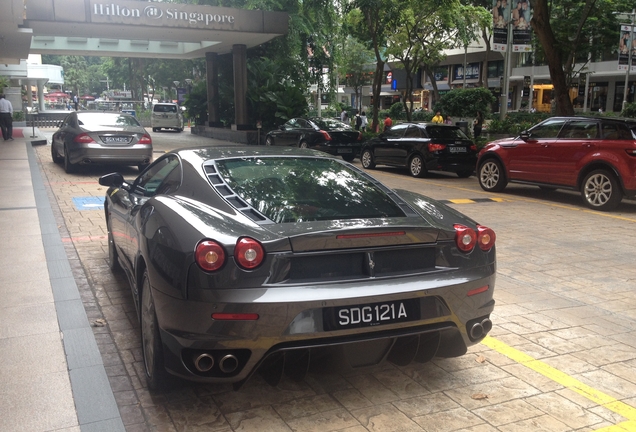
{"points": [[89, 203]]}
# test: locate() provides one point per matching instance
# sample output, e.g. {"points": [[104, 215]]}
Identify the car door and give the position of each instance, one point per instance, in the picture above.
{"points": [[66, 132], [386, 147], [163, 176], [528, 159], [577, 139], [304, 131], [411, 142]]}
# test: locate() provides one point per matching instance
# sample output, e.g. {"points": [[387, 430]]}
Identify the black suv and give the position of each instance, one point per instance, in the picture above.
{"points": [[422, 147]]}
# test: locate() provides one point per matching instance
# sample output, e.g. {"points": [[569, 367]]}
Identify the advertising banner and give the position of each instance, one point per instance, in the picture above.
{"points": [[521, 30], [500, 17], [472, 71], [627, 40]]}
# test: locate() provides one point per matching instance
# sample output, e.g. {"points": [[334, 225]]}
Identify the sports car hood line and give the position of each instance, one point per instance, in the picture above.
{"points": [[262, 259]]}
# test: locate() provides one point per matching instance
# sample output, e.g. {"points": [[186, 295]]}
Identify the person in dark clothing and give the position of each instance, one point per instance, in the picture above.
{"points": [[6, 118], [478, 124]]}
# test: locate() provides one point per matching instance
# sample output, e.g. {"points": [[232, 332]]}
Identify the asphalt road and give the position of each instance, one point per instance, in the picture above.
{"points": [[561, 356]]}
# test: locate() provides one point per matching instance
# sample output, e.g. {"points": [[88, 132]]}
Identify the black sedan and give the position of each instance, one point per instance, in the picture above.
{"points": [[324, 134], [94, 137], [422, 147], [246, 258]]}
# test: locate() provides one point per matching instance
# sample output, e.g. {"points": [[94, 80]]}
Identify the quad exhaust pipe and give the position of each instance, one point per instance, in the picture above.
{"points": [[205, 362], [480, 329]]}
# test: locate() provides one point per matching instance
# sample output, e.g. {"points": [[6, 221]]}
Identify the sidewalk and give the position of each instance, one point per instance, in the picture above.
{"points": [[52, 374]]}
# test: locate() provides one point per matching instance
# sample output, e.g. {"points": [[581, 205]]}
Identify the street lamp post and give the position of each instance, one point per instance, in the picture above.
{"points": [[176, 90], [629, 59]]}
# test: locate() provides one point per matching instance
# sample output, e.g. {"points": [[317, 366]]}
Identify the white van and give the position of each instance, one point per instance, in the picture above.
{"points": [[166, 115]]}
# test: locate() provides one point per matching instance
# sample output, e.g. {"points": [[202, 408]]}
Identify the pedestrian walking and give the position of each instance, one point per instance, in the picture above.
{"points": [[358, 121], [438, 118], [365, 121], [344, 117], [6, 118], [478, 124], [448, 120], [75, 102], [387, 122]]}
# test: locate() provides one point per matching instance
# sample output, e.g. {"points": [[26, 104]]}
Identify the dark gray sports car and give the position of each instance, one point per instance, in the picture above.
{"points": [[263, 258]]}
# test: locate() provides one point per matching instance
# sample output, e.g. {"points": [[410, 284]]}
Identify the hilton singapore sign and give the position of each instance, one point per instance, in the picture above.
{"points": [[162, 14]]}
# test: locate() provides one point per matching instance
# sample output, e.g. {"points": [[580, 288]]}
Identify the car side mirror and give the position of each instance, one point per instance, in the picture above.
{"points": [[114, 179], [524, 135]]}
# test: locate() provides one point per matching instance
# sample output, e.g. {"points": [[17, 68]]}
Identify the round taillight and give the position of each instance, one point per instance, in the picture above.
{"points": [[248, 253], [465, 238], [485, 237], [209, 255]]}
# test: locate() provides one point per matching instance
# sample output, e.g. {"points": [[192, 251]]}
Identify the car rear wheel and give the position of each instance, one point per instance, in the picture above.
{"points": [[601, 191], [269, 141], [416, 166], [55, 155], [68, 166], [464, 174], [348, 158], [367, 159], [491, 176], [155, 129], [151, 346], [303, 144]]}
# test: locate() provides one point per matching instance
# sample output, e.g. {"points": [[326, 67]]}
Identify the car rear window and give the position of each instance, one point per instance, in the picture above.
{"points": [[291, 189], [92, 120], [165, 108], [328, 124], [446, 133]]}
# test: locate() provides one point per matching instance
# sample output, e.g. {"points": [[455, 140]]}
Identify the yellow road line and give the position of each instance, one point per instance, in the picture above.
{"points": [[569, 382], [628, 426]]}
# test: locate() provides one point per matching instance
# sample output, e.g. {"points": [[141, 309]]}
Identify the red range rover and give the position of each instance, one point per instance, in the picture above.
{"points": [[596, 156]]}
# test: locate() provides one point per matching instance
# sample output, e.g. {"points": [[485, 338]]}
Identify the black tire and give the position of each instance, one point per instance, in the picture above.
{"points": [[416, 166], [269, 141], [68, 166], [155, 129], [151, 346], [113, 257], [348, 158], [491, 176], [303, 144], [464, 174], [600, 190], [366, 158], [55, 155]]}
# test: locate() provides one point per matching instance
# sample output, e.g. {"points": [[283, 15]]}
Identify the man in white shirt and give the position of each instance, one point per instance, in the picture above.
{"points": [[6, 118]]}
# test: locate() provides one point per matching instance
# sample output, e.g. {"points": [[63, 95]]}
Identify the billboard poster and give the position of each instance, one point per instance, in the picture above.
{"points": [[500, 18], [472, 71], [521, 30], [627, 40]]}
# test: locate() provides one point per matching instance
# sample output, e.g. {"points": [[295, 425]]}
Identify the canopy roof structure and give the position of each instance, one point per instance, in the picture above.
{"points": [[125, 28]]}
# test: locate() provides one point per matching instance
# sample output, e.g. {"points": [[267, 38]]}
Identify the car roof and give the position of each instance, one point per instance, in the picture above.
{"points": [[207, 153], [610, 119]]}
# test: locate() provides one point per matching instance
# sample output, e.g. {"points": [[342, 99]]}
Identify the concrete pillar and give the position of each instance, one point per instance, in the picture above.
{"points": [[239, 54], [29, 94], [40, 96], [212, 74]]}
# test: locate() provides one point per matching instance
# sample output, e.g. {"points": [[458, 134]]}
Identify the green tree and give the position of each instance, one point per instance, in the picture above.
{"points": [[356, 67], [466, 102]]}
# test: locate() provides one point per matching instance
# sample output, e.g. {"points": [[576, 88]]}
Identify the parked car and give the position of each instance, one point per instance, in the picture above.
{"points": [[422, 147], [166, 116], [324, 134], [246, 258], [94, 137], [595, 156]]}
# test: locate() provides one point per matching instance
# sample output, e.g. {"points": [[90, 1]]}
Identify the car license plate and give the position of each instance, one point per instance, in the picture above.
{"points": [[344, 150], [115, 140], [369, 315], [457, 149]]}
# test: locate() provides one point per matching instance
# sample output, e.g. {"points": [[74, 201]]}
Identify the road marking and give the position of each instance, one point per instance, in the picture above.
{"points": [[628, 426], [569, 382]]}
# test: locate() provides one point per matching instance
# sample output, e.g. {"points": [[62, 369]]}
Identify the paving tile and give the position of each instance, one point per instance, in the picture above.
{"points": [[569, 413], [263, 419], [307, 406], [457, 419], [508, 412], [385, 418]]}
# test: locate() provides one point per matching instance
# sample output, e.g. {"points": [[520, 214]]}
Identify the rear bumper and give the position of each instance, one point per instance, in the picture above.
{"points": [[95, 153], [291, 319], [340, 149]]}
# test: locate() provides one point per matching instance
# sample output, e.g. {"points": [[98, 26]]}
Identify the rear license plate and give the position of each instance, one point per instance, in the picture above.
{"points": [[369, 315], [116, 140], [344, 150], [457, 149]]}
